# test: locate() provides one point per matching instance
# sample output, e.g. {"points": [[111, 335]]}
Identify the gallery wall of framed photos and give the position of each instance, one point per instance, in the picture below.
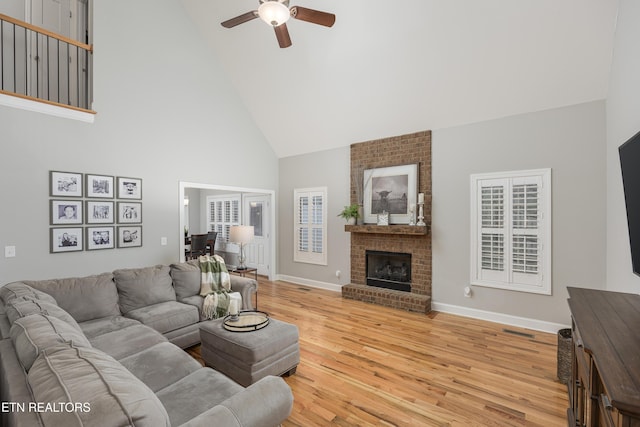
{"points": [[94, 212]]}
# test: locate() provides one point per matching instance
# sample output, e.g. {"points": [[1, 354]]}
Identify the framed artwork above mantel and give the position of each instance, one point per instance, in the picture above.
{"points": [[391, 189]]}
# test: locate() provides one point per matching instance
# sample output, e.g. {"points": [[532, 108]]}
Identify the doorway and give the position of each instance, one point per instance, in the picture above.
{"points": [[261, 253]]}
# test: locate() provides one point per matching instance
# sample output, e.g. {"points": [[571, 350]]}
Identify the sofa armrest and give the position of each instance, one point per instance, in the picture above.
{"points": [[247, 287], [268, 402], [14, 387]]}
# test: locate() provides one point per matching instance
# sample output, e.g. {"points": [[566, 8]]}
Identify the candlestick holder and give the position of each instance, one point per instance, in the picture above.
{"points": [[421, 214], [412, 215]]}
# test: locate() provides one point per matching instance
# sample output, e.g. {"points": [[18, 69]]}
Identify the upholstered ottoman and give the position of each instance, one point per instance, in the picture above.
{"points": [[246, 357]]}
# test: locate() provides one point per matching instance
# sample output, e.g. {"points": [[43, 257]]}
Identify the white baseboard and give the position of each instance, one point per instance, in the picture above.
{"points": [[507, 319], [311, 283]]}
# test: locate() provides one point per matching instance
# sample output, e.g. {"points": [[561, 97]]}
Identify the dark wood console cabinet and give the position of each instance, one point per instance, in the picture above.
{"points": [[605, 385]]}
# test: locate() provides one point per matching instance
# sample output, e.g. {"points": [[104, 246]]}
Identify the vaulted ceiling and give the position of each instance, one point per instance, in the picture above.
{"points": [[392, 67]]}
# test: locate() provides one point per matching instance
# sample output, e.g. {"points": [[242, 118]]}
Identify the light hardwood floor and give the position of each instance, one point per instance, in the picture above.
{"points": [[362, 364]]}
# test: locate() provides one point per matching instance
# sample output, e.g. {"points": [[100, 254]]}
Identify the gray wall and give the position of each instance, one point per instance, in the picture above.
{"points": [[166, 113], [193, 194], [322, 169], [623, 121], [570, 141]]}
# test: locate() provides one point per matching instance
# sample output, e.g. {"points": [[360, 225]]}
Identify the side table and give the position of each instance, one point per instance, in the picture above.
{"points": [[242, 273]]}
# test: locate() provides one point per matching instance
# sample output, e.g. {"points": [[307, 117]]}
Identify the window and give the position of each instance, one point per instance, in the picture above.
{"points": [[310, 233], [511, 230], [222, 213]]}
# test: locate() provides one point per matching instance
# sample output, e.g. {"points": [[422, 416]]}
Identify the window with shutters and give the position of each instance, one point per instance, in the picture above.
{"points": [[511, 230], [222, 213], [310, 232]]}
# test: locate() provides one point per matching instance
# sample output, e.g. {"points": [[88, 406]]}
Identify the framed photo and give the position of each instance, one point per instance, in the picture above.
{"points": [[99, 212], [65, 212], [65, 184], [129, 212], [100, 238], [129, 236], [66, 239], [129, 188], [393, 190], [99, 186]]}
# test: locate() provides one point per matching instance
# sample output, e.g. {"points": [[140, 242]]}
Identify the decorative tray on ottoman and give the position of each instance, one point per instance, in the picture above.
{"points": [[246, 321]]}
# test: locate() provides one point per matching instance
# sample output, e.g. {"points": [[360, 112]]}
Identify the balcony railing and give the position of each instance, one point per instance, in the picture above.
{"points": [[40, 65]]}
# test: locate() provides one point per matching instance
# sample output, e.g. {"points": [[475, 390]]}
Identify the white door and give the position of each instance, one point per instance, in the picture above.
{"points": [[53, 71], [256, 213]]}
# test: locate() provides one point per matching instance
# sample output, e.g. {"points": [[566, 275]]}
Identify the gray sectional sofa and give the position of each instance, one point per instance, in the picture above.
{"points": [[106, 350]]}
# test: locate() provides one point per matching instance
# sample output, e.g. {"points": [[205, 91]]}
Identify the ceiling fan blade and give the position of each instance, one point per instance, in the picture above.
{"points": [[313, 16], [282, 34], [245, 17]]}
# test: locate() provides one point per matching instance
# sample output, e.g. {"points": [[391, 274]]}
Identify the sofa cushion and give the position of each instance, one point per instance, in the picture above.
{"points": [[166, 316], [195, 393], [33, 333], [160, 365], [197, 302], [113, 395], [22, 308], [141, 287], [20, 289], [127, 341], [5, 326], [186, 279], [95, 327], [84, 298]]}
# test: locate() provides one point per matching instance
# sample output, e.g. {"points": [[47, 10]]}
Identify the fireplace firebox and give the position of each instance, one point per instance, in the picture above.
{"points": [[391, 270]]}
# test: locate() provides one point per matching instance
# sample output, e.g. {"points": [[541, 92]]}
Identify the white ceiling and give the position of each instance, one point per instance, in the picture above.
{"points": [[392, 67]]}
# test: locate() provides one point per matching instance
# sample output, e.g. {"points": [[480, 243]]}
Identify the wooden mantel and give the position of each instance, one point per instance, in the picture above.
{"points": [[388, 229]]}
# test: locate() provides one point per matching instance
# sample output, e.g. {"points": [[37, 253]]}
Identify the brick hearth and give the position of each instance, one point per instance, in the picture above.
{"points": [[401, 150]]}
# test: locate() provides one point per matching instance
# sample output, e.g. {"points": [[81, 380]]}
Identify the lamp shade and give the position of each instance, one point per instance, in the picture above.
{"points": [[274, 13], [241, 234]]}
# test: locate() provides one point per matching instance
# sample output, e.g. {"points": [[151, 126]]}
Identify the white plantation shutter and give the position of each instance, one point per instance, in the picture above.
{"points": [[222, 213], [511, 230], [492, 230], [310, 229], [525, 249]]}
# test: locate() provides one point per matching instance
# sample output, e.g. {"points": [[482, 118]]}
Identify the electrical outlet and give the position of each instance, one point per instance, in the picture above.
{"points": [[163, 241], [9, 251]]}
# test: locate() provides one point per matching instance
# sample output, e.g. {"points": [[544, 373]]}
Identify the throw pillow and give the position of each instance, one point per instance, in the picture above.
{"points": [[85, 298], [142, 287], [186, 279]]}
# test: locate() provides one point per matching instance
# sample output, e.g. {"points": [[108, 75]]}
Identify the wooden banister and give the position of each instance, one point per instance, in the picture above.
{"points": [[40, 30]]}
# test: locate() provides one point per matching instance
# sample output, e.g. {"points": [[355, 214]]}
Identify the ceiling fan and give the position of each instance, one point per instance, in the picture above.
{"points": [[277, 12]]}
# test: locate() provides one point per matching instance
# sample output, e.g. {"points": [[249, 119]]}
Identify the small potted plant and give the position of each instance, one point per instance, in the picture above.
{"points": [[350, 213]]}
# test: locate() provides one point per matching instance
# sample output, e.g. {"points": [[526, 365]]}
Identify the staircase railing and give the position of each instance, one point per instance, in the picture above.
{"points": [[40, 65]]}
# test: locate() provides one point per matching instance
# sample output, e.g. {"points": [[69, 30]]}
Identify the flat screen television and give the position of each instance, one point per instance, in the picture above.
{"points": [[630, 164]]}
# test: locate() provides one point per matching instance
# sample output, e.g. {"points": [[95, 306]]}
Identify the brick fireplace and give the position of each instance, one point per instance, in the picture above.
{"points": [[400, 239]]}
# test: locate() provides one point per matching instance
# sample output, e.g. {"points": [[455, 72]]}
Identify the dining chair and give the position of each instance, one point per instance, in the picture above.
{"points": [[198, 245], [211, 241]]}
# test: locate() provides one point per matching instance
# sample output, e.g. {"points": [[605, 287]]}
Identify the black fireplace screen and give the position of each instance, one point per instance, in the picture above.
{"points": [[391, 270]]}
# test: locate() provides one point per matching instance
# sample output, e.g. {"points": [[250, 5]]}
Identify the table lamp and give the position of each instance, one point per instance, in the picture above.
{"points": [[241, 234]]}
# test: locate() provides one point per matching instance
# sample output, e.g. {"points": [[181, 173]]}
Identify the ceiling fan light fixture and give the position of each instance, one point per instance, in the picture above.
{"points": [[274, 13]]}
